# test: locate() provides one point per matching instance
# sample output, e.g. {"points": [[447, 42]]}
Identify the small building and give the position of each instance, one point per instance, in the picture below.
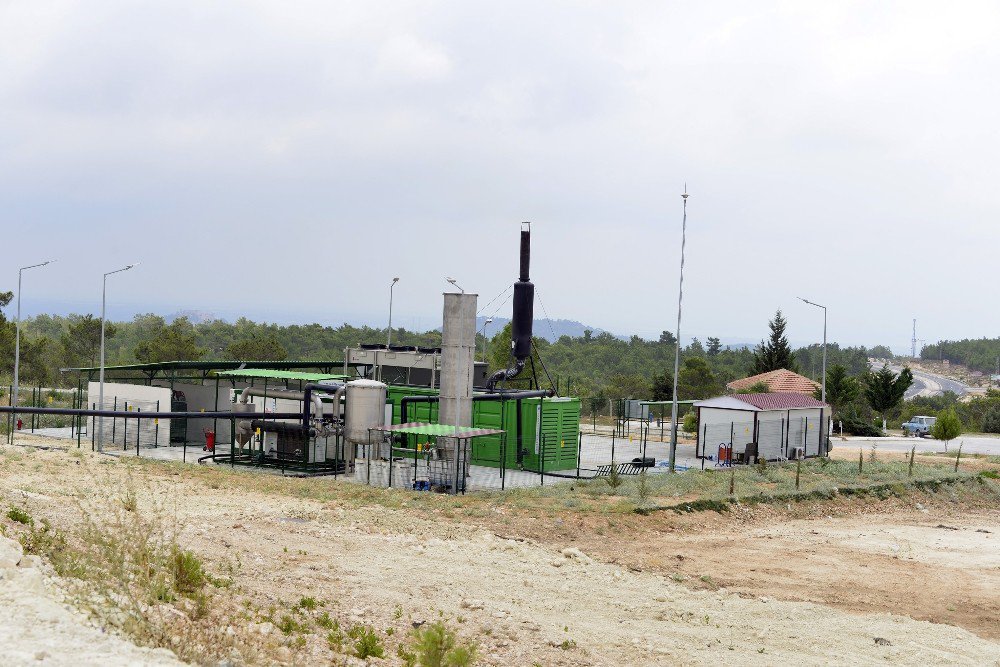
{"points": [[778, 381], [781, 425]]}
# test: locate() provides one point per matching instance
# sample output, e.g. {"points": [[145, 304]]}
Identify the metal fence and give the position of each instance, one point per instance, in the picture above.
{"points": [[398, 462]]}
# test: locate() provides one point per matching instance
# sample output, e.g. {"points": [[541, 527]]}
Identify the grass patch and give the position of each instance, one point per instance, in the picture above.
{"points": [[20, 516]]}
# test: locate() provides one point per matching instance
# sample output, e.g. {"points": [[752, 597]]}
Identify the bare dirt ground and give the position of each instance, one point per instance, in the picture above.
{"points": [[814, 583]]}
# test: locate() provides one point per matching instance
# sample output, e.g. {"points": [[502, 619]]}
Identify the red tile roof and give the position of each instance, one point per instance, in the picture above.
{"points": [[781, 380], [780, 401]]}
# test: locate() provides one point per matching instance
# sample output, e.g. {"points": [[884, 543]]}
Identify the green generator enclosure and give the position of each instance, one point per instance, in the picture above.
{"points": [[549, 429]]}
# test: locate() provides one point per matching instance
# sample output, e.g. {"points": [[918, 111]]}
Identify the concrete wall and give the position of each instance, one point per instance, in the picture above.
{"points": [[137, 397]]}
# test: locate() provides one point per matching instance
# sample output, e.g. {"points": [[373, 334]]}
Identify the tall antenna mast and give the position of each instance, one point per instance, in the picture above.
{"points": [[677, 351], [913, 342]]}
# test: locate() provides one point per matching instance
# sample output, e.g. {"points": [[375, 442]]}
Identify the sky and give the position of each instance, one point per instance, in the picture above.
{"points": [[286, 160]]}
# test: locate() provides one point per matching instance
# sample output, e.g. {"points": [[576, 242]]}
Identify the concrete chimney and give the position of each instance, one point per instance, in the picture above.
{"points": [[458, 348]]}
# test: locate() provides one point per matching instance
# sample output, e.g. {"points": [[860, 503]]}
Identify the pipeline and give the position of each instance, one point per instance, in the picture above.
{"points": [[119, 414], [336, 389], [290, 395]]}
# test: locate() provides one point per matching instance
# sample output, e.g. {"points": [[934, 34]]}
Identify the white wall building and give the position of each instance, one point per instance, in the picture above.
{"points": [[779, 423]]}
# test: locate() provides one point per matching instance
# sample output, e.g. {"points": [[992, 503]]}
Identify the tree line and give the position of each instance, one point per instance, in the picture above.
{"points": [[982, 354], [590, 365]]}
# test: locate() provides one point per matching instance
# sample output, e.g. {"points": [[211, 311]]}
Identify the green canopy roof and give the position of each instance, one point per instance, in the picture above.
{"points": [[274, 374], [445, 430]]}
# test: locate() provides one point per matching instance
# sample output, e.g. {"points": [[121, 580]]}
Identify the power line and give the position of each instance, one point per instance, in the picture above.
{"points": [[547, 318]]}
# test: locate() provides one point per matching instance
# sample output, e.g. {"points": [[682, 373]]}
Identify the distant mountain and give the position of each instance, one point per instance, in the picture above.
{"points": [[550, 330]]}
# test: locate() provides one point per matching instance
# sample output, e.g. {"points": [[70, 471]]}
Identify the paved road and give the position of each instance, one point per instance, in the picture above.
{"points": [[977, 444], [928, 384]]}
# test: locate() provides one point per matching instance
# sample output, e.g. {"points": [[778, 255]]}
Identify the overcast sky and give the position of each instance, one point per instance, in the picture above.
{"points": [[285, 160]]}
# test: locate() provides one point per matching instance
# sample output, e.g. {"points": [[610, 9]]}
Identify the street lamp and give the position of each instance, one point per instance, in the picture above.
{"points": [[823, 385], [452, 281], [100, 393], [489, 320], [391, 285], [677, 351], [17, 341]]}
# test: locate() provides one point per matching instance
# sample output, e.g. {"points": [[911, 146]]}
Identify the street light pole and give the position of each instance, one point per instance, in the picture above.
{"points": [[455, 284], [17, 337], [100, 393], [393, 284], [677, 351], [823, 384]]}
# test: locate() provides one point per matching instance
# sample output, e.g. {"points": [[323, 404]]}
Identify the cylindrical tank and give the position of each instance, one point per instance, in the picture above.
{"points": [[364, 409]]}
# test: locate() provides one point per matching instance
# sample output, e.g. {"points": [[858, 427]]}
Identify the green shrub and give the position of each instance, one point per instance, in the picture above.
{"points": [[20, 516], [288, 625], [947, 427], [991, 420], [690, 423], [435, 645], [189, 576], [366, 642]]}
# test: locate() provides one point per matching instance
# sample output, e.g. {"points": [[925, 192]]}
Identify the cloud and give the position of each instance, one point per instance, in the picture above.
{"points": [[829, 148]]}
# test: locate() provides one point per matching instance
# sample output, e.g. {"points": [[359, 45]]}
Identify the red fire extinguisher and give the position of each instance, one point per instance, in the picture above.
{"points": [[209, 441]]}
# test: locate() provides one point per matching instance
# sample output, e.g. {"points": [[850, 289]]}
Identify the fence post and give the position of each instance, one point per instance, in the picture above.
{"points": [[114, 421], [541, 466], [805, 439], [913, 453], [798, 471], [156, 427], [503, 458], [125, 430], [579, 448], [138, 432]]}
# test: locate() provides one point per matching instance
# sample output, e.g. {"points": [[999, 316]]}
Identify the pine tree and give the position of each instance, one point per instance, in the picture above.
{"points": [[775, 352]]}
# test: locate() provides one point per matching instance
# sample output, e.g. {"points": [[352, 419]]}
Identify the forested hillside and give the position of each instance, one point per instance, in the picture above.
{"points": [[981, 354]]}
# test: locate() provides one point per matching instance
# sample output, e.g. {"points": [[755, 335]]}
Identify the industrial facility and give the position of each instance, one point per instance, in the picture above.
{"points": [[408, 417]]}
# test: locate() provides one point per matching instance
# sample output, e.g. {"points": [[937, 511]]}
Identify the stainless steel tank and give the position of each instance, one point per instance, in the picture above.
{"points": [[364, 409]]}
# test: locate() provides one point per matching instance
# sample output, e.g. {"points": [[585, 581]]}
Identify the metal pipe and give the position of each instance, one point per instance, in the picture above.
{"points": [[151, 415], [289, 394], [307, 396]]}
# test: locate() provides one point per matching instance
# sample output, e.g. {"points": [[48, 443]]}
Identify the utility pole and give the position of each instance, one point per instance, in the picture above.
{"points": [[913, 341], [677, 351], [104, 300], [823, 390]]}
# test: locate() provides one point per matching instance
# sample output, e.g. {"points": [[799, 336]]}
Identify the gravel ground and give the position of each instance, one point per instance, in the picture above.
{"points": [[524, 601], [40, 629]]}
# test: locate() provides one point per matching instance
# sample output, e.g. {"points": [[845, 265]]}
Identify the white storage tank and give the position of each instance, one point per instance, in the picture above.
{"points": [[364, 409]]}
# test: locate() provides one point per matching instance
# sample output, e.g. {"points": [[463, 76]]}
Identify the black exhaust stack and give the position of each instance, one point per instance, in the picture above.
{"points": [[524, 303], [523, 317]]}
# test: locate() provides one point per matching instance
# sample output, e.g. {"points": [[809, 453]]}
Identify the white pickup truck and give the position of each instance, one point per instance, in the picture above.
{"points": [[919, 426]]}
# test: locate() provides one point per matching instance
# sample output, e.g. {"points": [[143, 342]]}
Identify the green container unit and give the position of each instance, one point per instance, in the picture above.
{"points": [[556, 437]]}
